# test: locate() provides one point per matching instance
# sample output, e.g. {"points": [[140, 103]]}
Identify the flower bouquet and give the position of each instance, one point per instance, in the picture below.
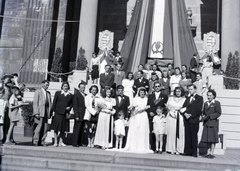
{"points": [[99, 106]]}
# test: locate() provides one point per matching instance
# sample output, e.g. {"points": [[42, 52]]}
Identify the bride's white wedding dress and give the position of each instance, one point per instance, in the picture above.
{"points": [[138, 133]]}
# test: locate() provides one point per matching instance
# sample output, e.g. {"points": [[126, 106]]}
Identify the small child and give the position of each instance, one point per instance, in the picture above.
{"points": [[159, 128], [119, 131]]}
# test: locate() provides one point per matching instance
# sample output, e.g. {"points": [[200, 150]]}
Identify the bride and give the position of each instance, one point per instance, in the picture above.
{"points": [[138, 133]]}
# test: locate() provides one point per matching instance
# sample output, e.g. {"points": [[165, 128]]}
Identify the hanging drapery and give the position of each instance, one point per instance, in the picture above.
{"points": [[135, 46], [178, 43], [183, 43]]}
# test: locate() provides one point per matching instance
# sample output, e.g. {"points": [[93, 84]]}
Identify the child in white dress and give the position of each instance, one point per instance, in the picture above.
{"points": [[119, 131], [159, 128]]}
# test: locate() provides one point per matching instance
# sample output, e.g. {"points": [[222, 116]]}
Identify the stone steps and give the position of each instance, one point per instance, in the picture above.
{"points": [[70, 158], [56, 164]]}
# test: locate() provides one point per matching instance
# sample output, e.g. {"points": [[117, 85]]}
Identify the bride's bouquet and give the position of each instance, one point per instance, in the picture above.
{"points": [[134, 110], [99, 106]]}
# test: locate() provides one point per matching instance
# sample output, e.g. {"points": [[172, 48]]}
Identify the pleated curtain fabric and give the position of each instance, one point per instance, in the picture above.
{"points": [[135, 46], [178, 43], [184, 45]]}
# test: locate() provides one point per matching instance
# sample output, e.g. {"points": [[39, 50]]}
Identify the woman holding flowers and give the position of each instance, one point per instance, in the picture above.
{"points": [[104, 132], [175, 125], [138, 133]]}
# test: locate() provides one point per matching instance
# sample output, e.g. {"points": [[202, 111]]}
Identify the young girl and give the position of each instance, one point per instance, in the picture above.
{"points": [[159, 128], [95, 62], [119, 132], [14, 106]]}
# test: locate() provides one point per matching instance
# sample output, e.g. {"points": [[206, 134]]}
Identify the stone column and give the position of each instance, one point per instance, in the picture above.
{"points": [[87, 27], [230, 29]]}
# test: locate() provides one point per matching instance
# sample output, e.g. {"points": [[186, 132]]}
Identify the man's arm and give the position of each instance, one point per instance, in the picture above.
{"points": [[102, 81], [75, 106], [36, 103]]}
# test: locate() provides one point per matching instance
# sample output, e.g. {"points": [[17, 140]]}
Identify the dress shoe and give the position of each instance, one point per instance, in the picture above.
{"points": [[194, 155], [55, 145], [186, 154], [211, 156], [156, 151], [12, 141], [206, 156], [62, 144], [75, 145], [159, 152]]}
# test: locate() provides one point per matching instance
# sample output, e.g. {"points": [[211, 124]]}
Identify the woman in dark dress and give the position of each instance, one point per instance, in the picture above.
{"points": [[211, 113], [62, 104]]}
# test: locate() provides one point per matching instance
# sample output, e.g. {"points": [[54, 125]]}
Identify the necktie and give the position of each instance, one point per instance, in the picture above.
{"points": [[93, 102]]}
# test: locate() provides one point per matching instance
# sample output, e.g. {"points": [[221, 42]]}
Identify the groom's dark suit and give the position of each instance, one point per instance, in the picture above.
{"points": [[154, 103], [194, 107], [122, 105]]}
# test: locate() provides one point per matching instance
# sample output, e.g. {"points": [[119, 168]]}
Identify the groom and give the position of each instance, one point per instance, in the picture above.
{"points": [[155, 100], [192, 108]]}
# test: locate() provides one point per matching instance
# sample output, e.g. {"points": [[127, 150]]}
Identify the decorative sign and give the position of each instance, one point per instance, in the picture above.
{"points": [[105, 40], [211, 46], [211, 42]]}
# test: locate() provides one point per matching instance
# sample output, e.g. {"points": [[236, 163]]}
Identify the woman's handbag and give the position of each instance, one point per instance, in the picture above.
{"points": [[94, 118], [68, 115]]}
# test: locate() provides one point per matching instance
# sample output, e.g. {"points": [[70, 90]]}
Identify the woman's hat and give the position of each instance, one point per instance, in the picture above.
{"points": [[7, 76]]}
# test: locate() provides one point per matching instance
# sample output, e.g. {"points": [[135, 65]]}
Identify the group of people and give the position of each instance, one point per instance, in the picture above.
{"points": [[11, 93], [135, 113]]}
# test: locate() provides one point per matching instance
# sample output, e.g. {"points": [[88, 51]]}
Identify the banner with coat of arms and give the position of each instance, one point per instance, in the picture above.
{"points": [[156, 41]]}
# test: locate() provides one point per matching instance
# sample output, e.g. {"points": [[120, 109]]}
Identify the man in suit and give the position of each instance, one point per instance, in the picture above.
{"points": [[155, 100], [122, 104], [193, 67], [107, 78], [79, 112], [140, 82], [41, 110], [119, 75], [192, 109], [140, 68]]}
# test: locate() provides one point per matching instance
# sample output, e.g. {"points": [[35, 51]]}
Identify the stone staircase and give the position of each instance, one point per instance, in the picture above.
{"points": [[22, 157]]}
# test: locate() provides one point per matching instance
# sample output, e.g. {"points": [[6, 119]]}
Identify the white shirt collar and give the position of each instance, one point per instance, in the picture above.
{"points": [[157, 94], [213, 101], [65, 94]]}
